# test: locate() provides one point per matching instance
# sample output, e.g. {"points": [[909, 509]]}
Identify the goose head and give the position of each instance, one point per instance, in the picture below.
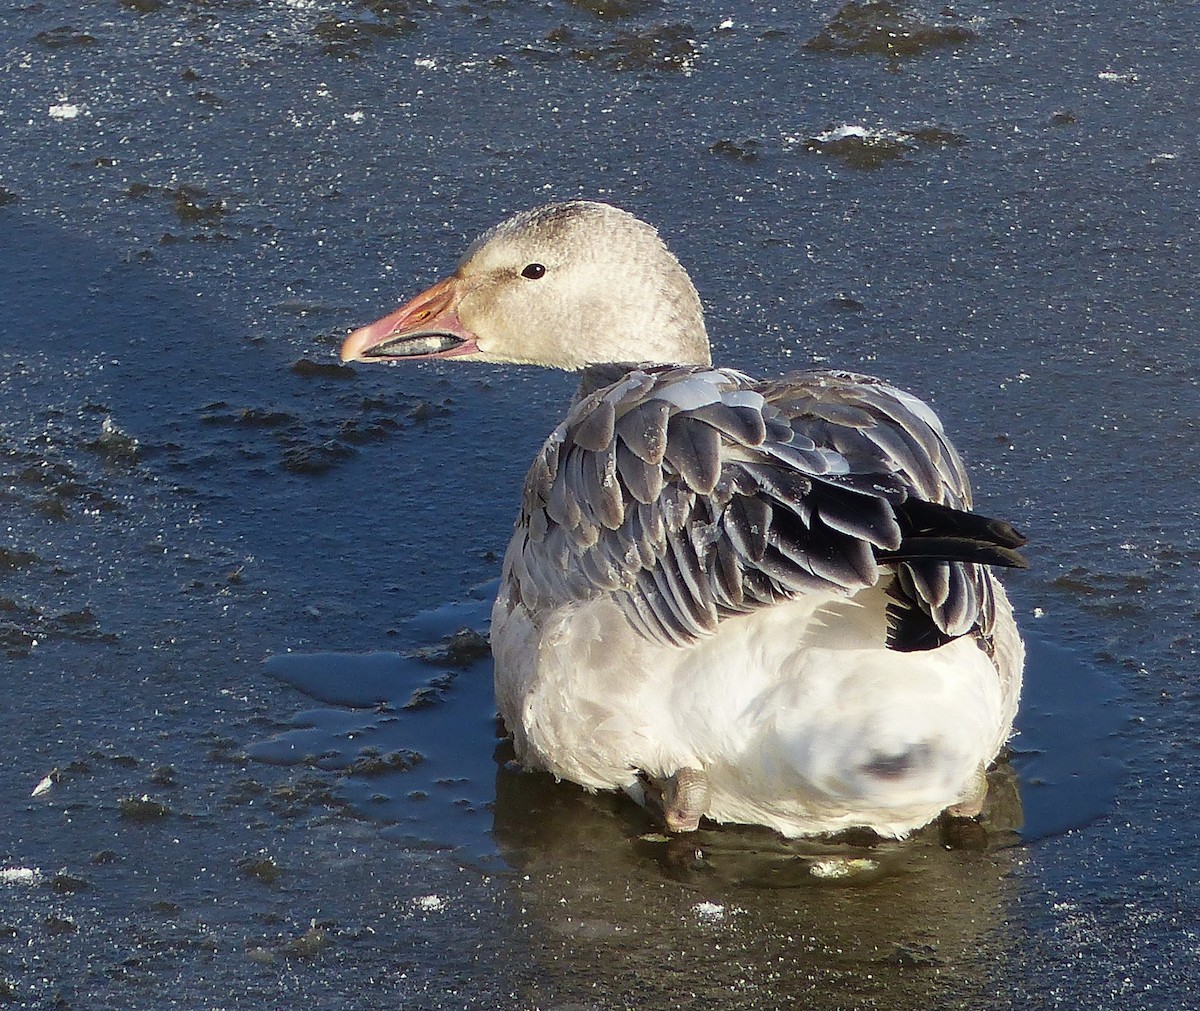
{"points": [[566, 285]]}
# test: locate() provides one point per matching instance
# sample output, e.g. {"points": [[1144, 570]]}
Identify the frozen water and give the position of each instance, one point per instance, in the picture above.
{"points": [[191, 484]]}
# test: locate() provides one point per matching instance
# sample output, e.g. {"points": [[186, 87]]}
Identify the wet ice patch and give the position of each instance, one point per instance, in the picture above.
{"points": [[1068, 752], [652, 48], [880, 28], [356, 680], [866, 147], [410, 733]]}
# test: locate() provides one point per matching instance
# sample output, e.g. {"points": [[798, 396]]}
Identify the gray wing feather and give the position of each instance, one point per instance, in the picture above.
{"points": [[693, 451], [744, 425], [643, 429], [691, 494], [643, 481], [594, 429]]}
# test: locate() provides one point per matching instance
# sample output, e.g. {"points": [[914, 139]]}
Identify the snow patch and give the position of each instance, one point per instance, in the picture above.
{"points": [[20, 876]]}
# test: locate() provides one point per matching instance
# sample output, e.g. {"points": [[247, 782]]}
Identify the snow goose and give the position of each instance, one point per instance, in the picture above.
{"points": [[750, 601]]}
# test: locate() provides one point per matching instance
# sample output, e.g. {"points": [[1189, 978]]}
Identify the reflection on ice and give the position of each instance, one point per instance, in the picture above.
{"points": [[743, 918]]}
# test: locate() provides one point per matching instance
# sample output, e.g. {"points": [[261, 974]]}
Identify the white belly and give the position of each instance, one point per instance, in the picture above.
{"points": [[797, 714]]}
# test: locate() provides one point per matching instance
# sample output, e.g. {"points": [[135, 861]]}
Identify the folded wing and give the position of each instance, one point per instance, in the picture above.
{"points": [[691, 494]]}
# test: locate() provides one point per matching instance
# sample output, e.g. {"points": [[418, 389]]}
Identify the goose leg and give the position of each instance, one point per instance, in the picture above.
{"points": [[680, 799], [970, 804]]}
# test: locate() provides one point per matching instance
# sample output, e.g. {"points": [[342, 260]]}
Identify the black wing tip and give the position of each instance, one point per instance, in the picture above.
{"points": [[912, 630], [941, 532], [955, 549], [1016, 560], [1006, 534]]}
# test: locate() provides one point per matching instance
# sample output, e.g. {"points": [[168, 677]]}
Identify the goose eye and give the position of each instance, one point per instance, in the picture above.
{"points": [[533, 271]]}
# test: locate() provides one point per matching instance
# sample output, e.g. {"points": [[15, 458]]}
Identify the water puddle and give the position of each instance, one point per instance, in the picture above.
{"points": [[1068, 753], [414, 739], [413, 732]]}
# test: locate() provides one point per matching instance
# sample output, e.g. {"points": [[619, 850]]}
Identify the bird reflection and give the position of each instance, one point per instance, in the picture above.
{"points": [[746, 918]]}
